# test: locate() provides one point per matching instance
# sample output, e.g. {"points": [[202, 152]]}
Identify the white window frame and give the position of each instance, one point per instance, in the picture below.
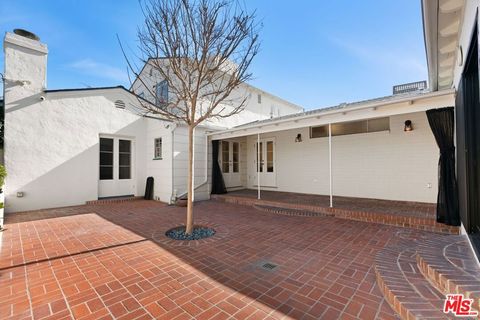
{"points": [[157, 150]]}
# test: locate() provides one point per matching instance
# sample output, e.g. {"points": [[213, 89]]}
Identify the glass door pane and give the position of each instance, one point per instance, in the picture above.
{"points": [[225, 157], [259, 152], [124, 159], [235, 157], [106, 159], [269, 156]]}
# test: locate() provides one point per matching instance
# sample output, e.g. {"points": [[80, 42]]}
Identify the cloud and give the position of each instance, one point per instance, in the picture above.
{"points": [[390, 58], [100, 70]]}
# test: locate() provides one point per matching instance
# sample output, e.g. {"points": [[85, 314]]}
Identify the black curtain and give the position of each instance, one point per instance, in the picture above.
{"points": [[218, 185], [442, 124]]}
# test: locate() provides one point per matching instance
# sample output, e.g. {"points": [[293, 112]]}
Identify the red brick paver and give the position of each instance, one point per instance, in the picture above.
{"points": [[112, 260]]}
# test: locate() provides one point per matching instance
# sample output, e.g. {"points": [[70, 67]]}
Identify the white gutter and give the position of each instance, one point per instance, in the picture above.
{"points": [[361, 106], [430, 36]]}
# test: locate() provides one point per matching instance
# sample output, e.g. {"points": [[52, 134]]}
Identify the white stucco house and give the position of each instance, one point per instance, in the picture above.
{"points": [[69, 146]]}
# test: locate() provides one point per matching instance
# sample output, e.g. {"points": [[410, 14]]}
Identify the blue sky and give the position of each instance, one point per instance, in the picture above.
{"points": [[314, 53]]}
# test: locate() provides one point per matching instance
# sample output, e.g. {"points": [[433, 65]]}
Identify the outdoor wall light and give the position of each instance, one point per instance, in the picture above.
{"points": [[298, 138], [408, 126]]}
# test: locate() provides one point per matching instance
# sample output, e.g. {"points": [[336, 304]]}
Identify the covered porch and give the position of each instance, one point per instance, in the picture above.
{"points": [[374, 160]]}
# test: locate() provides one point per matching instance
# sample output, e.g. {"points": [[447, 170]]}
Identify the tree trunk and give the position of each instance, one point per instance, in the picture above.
{"points": [[189, 225]]}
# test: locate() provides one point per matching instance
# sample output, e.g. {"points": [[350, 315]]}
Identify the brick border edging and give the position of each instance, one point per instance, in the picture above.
{"points": [[107, 201], [446, 277], [384, 264], [290, 212], [221, 232], [365, 216], [397, 291]]}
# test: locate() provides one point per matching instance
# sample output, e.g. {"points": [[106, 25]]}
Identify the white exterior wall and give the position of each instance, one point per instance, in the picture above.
{"points": [[469, 15], [391, 165], [270, 105], [202, 150], [160, 169], [52, 150], [52, 145]]}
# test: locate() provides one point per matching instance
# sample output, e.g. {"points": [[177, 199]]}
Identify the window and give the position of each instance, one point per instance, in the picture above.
{"points": [[259, 98], [354, 127], [124, 159], [157, 149], [106, 159], [161, 93]]}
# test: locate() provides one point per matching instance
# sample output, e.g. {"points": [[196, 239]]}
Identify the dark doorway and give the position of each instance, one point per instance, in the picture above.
{"points": [[468, 143]]}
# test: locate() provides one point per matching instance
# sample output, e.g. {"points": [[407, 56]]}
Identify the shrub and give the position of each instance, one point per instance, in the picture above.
{"points": [[3, 175]]}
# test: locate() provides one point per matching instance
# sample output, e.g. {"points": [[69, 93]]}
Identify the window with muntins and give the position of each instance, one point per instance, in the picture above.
{"points": [[157, 152], [353, 127], [161, 93]]}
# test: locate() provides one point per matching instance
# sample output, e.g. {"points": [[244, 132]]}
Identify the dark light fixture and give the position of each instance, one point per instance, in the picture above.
{"points": [[298, 138], [408, 126]]}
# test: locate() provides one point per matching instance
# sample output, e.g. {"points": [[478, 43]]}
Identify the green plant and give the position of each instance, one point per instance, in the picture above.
{"points": [[3, 175]]}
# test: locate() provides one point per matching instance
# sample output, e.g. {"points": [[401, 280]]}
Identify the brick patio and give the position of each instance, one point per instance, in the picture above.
{"points": [[112, 260]]}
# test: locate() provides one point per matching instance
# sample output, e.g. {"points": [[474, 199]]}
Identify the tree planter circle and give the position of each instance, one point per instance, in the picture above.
{"points": [[199, 232]]}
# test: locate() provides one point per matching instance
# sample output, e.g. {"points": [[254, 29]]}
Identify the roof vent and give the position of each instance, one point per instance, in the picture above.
{"points": [[26, 34], [120, 104], [410, 87]]}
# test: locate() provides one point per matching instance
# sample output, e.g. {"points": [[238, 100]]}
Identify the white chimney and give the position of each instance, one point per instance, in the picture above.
{"points": [[25, 66]]}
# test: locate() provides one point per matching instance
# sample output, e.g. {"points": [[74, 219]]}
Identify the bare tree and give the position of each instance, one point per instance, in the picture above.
{"points": [[203, 50]]}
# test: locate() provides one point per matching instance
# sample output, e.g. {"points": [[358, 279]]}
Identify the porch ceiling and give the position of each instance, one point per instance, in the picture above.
{"points": [[377, 108]]}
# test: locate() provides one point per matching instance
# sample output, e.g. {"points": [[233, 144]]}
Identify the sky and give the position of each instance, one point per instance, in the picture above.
{"points": [[314, 53]]}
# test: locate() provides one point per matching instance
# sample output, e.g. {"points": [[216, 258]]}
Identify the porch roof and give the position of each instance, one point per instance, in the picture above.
{"points": [[367, 109]]}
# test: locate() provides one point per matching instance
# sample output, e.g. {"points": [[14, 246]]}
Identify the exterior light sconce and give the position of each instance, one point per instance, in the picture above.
{"points": [[408, 126], [298, 138]]}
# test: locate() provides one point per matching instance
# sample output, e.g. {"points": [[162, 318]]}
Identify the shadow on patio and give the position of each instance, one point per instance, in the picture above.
{"points": [[113, 260]]}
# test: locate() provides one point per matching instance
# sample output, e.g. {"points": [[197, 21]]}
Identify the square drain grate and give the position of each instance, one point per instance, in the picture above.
{"points": [[269, 266]]}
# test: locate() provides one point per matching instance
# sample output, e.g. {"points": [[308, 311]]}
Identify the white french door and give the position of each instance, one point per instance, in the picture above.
{"points": [[116, 174], [230, 163], [265, 162]]}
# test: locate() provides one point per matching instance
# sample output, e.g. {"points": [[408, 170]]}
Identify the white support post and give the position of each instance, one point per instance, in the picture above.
{"points": [[258, 166], [193, 167], [330, 162]]}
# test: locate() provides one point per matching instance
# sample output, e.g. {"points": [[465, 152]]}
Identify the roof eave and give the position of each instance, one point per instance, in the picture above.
{"points": [[430, 33], [245, 130]]}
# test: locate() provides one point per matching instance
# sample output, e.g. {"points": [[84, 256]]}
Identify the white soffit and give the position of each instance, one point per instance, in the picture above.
{"points": [[450, 15]]}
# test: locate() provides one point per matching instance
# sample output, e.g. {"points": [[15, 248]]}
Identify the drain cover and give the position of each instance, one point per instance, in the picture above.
{"points": [[269, 266]]}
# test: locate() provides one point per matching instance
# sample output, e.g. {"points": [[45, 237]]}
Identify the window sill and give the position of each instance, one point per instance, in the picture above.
{"points": [[157, 159]]}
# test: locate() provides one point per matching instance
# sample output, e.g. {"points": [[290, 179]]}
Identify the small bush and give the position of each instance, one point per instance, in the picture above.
{"points": [[3, 175]]}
